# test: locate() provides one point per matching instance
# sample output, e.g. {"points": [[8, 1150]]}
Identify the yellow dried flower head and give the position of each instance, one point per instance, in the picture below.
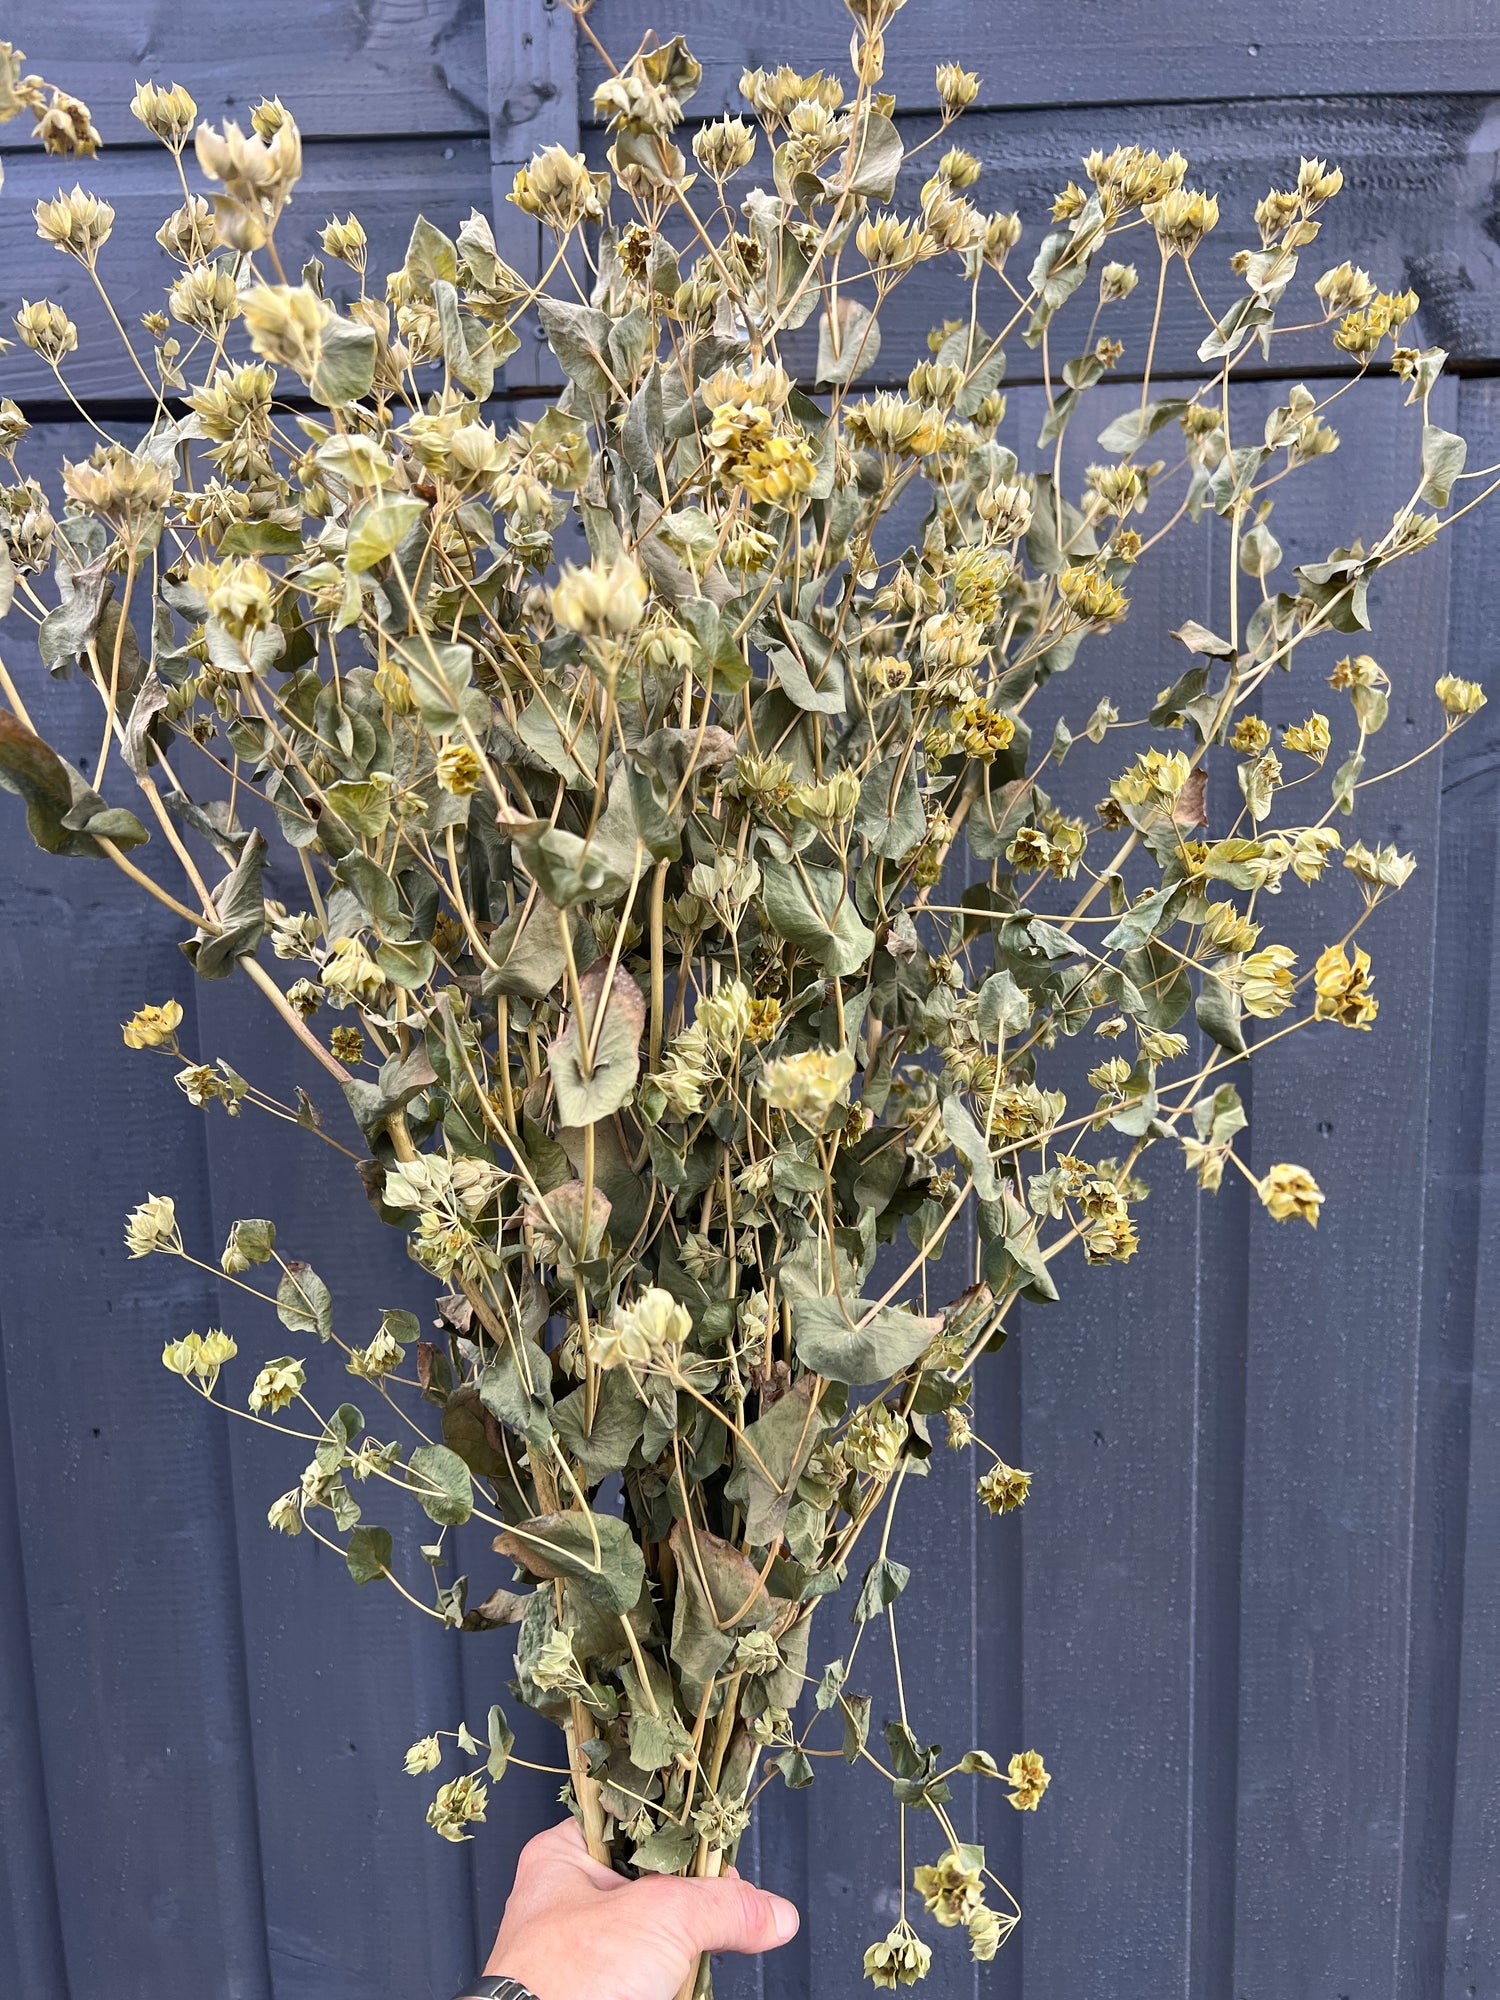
{"points": [[1345, 288], [1130, 176], [188, 233], [1091, 596], [128, 492], [892, 242], [1250, 736], [153, 1226], [346, 1043], [1380, 867], [649, 1332], [1155, 775], [778, 472], [723, 147], [600, 601], [1003, 1488], [77, 223], [808, 1086], [46, 329], [827, 804], [167, 112], [285, 1514], [980, 579], [239, 593], [1342, 987], [556, 186], [1116, 282], [153, 1027], [1360, 670], [1290, 1192], [286, 324], [257, 170], [345, 240], [983, 731], [1317, 183], [206, 298], [873, 1439], [424, 1755], [1309, 739], [1181, 219], [952, 1889], [1227, 929], [202, 1355], [899, 1959], [1002, 232], [277, 1384], [66, 127], [459, 1804], [764, 1019], [1264, 980], [725, 1016], [1029, 1777], [1459, 697], [957, 88], [459, 770]]}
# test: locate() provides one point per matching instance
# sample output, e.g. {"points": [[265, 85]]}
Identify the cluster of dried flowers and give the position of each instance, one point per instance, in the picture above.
{"points": [[615, 914]]}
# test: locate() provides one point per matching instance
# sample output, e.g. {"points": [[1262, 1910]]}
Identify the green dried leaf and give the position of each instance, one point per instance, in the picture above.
{"points": [[368, 1554], [596, 1059], [595, 1551], [442, 1485], [865, 1343]]}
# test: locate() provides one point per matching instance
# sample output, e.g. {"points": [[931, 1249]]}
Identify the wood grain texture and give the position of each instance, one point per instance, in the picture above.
{"points": [[1420, 179], [1454, 1753], [533, 67], [1032, 52], [386, 185], [342, 67], [131, 1578], [1334, 1351]]}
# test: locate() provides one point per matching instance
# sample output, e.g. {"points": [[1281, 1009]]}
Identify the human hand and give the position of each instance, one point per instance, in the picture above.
{"points": [[574, 1930]]}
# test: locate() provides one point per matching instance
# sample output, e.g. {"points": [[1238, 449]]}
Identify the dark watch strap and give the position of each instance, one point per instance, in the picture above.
{"points": [[492, 1987]]}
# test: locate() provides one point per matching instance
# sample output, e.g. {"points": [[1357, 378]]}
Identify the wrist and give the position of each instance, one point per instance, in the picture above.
{"points": [[496, 1986]]}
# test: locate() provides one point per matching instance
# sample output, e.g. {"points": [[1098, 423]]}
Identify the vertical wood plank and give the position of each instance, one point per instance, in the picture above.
{"points": [[1454, 1845], [360, 1894], [533, 83], [30, 1920], [1334, 1340], [130, 1572]]}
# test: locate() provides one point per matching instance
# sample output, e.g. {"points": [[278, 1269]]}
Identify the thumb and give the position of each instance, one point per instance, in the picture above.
{"points": [[724, 1915]]}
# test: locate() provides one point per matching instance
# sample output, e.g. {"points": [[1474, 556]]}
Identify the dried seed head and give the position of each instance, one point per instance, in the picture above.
{"points": [[46, 329], [166, 112]]}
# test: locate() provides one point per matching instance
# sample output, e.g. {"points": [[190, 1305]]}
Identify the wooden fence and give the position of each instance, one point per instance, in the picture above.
{"points": [[1252, 1612]]}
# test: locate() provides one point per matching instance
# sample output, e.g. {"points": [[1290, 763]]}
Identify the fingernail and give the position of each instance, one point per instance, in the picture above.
{"points": [[786, 1919]]}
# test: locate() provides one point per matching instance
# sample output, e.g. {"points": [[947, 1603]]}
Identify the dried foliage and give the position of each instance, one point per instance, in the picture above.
{"points": [[610, 894]]}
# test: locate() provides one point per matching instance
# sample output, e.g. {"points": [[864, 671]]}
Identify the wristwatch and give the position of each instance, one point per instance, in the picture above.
{"points": [[492, 1987]]}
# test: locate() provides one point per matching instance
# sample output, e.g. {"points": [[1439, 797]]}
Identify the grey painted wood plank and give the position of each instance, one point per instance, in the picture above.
{"points": [[533, 100], [1419, 189], [386, 185], [1110, 1410], [130, 1568], [389, 1909], [1029, 52], [1420, 180], [1334, 1345], [30, 1920], [345, 67], [1456, 1713]]}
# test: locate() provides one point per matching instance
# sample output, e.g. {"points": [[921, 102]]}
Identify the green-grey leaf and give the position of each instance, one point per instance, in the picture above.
{"points": [[442, 1485], [368, 1554], [831, 1342], [587, 1086], [595, 1551]]}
